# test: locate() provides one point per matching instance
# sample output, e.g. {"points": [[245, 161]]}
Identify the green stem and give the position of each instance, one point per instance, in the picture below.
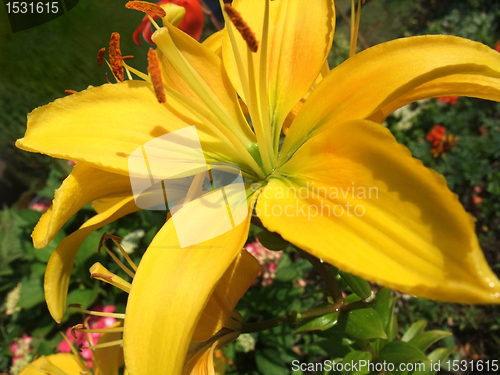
{"points": [[268, 324], [330, 282]]}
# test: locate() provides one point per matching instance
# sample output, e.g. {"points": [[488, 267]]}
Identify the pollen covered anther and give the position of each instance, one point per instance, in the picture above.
{"points": [[100, 56], [240, 24], [101, 275], [115, 56], [155, 74], [146, 7]]}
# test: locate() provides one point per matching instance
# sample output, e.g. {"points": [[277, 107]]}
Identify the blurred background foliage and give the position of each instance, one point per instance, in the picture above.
{"points": [[38, 64]]}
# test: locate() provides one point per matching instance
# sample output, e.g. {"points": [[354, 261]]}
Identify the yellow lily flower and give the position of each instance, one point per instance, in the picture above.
{"points": [[340, 187], [218, 325], [105, 360], [61, 363]]}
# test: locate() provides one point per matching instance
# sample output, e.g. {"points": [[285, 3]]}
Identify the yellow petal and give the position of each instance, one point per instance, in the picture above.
{"points": [[169, 292], [355, 198], [214, 42], [66, 362], [472, 85], [299, 39], [382, 74], [84, 184], [107, 360], [234, 283], [207, 65], [60, 264], [104, 125]]}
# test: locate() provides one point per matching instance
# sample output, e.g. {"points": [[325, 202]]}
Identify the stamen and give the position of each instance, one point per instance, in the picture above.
{"points": [[70, 92], [355, 20], [81, 328], [96, 313], [96, 275], [128, 57], [103, 345], [74, 351], [240, 24], [107, 79], [119, 262], [116, 240], [115, 56], [208, 117], [146, 7], [154, 71], [99, 272], [100, 56]]}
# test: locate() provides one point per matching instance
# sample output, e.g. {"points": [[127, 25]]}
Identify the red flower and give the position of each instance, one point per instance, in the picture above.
{"points": [[440, 141], [192, 23], [448, 99]]}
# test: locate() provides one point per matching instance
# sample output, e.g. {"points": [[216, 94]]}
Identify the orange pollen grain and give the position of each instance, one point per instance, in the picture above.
{"points": [[70, 92], [240, 24], [101, 275], [146, 7], [115, 56], [100, 56], [155, 74]]}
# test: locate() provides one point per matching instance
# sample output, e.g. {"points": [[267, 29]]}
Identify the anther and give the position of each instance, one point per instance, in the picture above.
{"points": [[115, 56], [146, 7], [100, 56], [104, 237], [240, 24], [127, 57], [70, 92], [75, 328], [101, 275], [154, 71]]}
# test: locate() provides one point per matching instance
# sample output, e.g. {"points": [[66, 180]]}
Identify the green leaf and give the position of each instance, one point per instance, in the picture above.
{"points": [[362, 324], [89, 247], [397, 352], [415, 329], [269, 361], [435, 358], [320, 323], [334, 346], [31, 291], [384, 305], [358, 285], [84, 297], [271, 240], [45, 253], [286, 270], [426, 339], [10, 246], [355, 358]]}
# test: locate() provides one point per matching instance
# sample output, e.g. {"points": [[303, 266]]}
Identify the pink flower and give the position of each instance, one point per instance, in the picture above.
{"points": [[87, 339], [268, 261], [39, 204], [20, 348]]}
